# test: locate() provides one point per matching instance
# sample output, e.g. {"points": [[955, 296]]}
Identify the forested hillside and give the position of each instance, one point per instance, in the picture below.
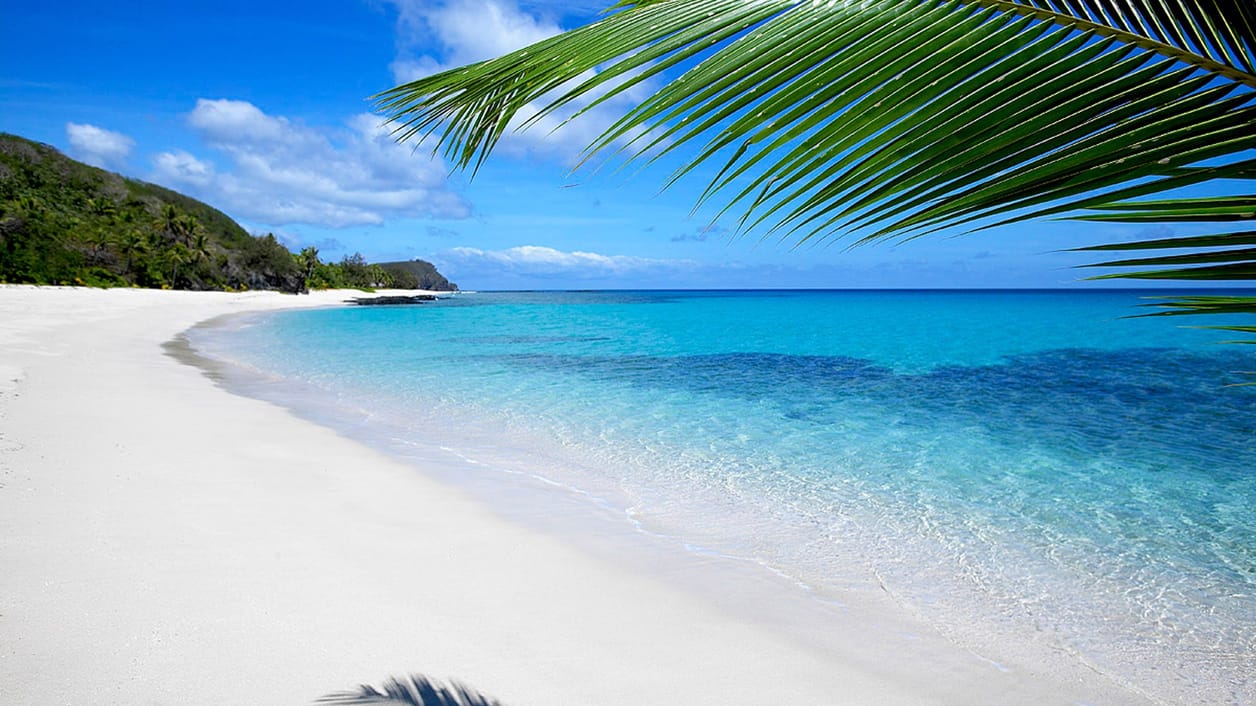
{"points": [[418, 274], [65, 222]]}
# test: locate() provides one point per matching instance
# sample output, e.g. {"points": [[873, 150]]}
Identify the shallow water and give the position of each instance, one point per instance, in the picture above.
{"points": [[1001, 462]]}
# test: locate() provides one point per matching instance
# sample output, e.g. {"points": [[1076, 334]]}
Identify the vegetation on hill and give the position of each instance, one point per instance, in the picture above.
{"points": [[65, 222], [353, 271], [418, 274]]}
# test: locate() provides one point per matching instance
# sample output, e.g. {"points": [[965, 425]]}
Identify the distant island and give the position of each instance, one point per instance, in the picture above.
{"points": [[63, 222]]}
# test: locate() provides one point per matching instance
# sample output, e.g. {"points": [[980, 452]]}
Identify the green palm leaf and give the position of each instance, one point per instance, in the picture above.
{"points": [[1229, 208], [895, 118], [1212, 33], [1223, 305]]}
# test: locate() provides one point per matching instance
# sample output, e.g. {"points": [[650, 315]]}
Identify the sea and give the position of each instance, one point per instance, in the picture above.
{"points": [[1043, 463]]}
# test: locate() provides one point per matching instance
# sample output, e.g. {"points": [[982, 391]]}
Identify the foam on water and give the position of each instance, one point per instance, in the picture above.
{"points": [[1004, 463]]}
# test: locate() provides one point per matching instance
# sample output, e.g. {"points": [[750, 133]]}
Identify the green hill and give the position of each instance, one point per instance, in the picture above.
{"points": [[65, 222], [418, 274]]}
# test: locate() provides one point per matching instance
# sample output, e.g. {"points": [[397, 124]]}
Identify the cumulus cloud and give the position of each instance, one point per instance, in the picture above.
{"points": [[98, 146], [282, 172], [540, 267], [537, 260], [183, 168], [467, 31], [435, 36]]}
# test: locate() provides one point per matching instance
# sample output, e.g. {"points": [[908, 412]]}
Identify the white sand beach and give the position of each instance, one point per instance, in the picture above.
{"points": [[163, 541]]}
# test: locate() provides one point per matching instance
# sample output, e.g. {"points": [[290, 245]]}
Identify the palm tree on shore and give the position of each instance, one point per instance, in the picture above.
{"points": [[893, 119], [199, 246], [169, 222], [178, 226], [131, 244], [308, 260], [174, 257]]}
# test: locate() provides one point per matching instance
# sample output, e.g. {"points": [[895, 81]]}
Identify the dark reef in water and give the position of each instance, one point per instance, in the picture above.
{"points": [[392, 300]]}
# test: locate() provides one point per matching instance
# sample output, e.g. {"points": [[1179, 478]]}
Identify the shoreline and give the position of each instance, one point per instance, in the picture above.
{"points": [[154, 562]]}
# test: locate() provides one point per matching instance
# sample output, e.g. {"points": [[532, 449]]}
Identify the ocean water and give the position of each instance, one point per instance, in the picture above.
{"points": [[1002, 463]]}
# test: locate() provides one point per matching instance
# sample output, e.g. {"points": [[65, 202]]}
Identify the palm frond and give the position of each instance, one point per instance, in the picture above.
{"points": [[1226, 265], [1207, 304], [1171, 178], [1215, 258], [1195, 241], [1220, 31], [873, 119], [883, 117], [1222, 208], [1231, 264]]}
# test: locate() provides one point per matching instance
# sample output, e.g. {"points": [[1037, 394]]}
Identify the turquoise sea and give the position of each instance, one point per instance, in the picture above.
{"points": [[1027, 461]]}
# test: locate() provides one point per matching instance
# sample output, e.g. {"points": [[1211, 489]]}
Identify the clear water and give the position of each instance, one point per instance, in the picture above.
{"points": [[1001, 462]]}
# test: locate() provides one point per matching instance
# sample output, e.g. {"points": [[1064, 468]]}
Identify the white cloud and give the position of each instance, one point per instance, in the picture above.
{"points": [[182, 168], [239, 122], [283, 172], [540, 260], [98, 146], [465, 31]]}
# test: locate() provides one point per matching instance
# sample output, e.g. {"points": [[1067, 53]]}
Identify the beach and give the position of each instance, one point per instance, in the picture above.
{"points": [[164, 541]]}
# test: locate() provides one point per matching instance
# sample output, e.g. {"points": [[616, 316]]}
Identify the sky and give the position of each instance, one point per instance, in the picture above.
{"points": [[263, 110]]}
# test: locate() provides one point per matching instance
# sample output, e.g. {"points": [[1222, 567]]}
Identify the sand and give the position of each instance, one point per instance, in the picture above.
{"points": [[163, 541]]}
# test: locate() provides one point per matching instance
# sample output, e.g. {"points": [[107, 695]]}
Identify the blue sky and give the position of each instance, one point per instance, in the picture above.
{"points": [[262, 109]]}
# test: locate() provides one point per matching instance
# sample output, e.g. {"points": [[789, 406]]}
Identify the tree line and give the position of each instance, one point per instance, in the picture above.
{"points": [[67, 223]]}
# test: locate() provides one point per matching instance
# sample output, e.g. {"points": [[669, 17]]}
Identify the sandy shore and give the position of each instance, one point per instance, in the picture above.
{"points": [[165, 542]]}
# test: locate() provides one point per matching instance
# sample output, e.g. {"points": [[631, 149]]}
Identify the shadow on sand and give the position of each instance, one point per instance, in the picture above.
{"points": [[418, 690]]}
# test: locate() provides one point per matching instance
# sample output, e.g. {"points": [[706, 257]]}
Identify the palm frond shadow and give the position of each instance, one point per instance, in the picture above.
{"points": [[416, 690]]}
